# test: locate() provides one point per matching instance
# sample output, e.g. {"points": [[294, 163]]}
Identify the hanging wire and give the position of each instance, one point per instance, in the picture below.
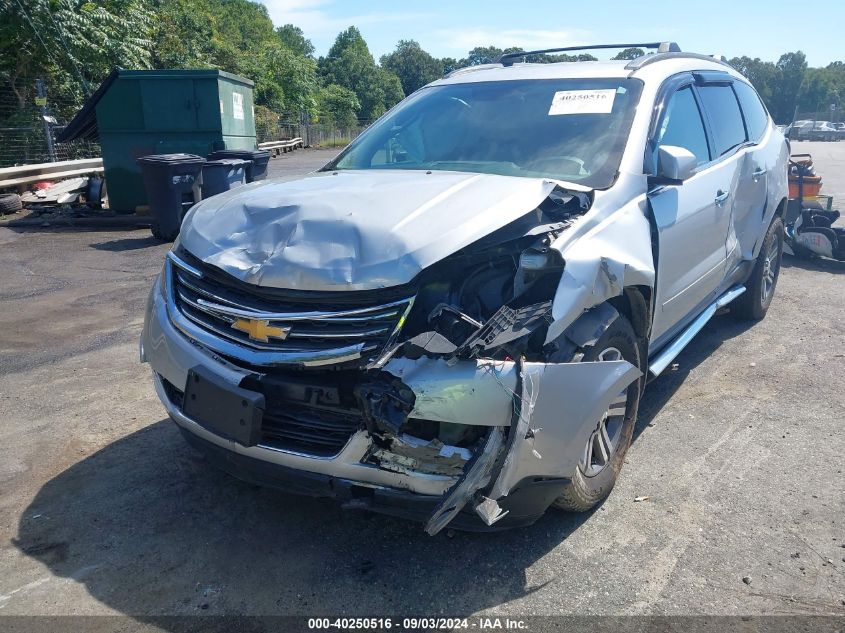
{"points": [[85, 86], [35, 30]]}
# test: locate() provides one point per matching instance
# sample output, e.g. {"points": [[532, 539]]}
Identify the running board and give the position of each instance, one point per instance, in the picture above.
{"points": [[662, 360]]}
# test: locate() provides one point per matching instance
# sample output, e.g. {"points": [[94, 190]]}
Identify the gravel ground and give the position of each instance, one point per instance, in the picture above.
{"points": [[104, 509]]}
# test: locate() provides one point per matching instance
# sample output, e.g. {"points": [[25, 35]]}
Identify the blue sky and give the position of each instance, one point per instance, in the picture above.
{"points": [[728, 27]]}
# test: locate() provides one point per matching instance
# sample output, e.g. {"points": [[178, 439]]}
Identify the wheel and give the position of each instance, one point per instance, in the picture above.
{"points": [[10, 203], [160, 234], [605, 449], [760, 287]]}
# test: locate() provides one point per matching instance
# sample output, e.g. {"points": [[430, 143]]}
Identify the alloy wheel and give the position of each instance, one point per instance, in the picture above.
{"points": [[604, 440], [771, 266]]}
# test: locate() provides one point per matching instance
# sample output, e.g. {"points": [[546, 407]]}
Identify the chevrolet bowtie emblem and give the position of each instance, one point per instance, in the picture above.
{"points": [[261, 330]]}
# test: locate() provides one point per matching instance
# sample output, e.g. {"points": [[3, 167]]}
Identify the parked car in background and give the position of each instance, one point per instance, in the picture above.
{"points": [[813, 131], [796, 128], [840, 129], [454, 320]]}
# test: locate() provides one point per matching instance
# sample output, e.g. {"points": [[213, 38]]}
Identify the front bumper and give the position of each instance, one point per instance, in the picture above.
{"points": [[524, 505], [542, 415]]}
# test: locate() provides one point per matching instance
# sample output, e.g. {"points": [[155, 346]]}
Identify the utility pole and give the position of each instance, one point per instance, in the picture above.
{"points": [[41, 100]]}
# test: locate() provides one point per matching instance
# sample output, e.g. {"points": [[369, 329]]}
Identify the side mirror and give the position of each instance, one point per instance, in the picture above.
{"points": [[675, 164]]}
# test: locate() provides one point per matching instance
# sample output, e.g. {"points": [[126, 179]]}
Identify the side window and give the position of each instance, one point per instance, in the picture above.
{"points": [[682, 125], [722, 108], [756, 117]]}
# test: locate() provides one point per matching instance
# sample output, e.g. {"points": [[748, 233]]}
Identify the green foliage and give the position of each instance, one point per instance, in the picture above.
{"points": [[414, 67], [350, 64], [293, 38], [629, 53], [73, 42], [338, 105]]}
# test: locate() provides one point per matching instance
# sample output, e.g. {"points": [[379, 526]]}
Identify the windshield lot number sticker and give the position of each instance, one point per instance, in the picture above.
{"points": [[582, 102]]}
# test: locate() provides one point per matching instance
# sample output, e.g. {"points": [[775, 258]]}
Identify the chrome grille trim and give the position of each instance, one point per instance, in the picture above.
{"points": [[315, 338], [344, 316]]}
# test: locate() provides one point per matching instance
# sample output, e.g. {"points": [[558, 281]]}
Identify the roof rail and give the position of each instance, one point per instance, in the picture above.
{"points": [[469, 69], [645, 60], [507, 59]]}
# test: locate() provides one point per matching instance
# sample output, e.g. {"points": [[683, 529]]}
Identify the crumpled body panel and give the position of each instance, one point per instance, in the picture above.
{"points": [[356, 230]]}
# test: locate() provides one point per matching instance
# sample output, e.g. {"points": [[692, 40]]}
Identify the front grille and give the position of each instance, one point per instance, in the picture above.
{"points": [[292, 328], [304, 416]]}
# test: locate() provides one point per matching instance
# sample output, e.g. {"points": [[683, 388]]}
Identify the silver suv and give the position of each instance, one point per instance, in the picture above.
{"points": [[455, 319]]}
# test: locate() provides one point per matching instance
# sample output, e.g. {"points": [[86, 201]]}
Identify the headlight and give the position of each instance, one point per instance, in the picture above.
{"points": [[544, 259]]}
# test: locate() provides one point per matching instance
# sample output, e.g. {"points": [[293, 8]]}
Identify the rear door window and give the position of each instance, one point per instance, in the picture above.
{"points": [[756, 117], [722, 109], [682, 125]]}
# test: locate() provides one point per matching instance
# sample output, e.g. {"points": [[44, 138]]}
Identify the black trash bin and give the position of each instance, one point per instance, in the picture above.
{"points": [[169, 180], [260, 159], [221, 175]]}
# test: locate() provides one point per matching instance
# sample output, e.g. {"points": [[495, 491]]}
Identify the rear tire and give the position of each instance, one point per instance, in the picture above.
{"points": [[591, 483], [760, 287]]}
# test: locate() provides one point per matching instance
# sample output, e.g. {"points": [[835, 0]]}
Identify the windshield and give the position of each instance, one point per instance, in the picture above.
{"points": [[566, 129]]}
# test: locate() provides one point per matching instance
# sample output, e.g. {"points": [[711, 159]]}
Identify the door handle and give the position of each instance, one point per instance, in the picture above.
{"points": [[760, 171], [721, 196]]}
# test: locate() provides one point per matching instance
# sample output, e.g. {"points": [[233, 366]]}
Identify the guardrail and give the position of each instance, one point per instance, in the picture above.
{"points": [[27, 174], [279, 147]]}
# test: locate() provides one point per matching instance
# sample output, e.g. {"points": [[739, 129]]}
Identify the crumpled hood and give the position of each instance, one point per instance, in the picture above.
{"points": [[352, 230]]}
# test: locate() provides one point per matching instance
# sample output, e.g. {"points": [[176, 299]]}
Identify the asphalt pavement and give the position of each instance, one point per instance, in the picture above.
{"points": [[105, 510]]}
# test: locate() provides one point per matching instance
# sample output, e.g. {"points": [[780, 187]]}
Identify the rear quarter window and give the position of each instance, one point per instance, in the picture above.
{"points": [[756, 117], [722, 109]]}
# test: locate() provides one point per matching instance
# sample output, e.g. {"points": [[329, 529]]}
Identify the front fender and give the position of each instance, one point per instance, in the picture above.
{"points": [[614, 254]]}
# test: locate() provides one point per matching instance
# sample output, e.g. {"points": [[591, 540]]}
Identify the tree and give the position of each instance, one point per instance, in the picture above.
{"points": [[338, 105], [449, 64], [74, 42], [791, 68], [484, 55], [762, 75], [414, 67], [293, 38], [184, 35], [350, 64], [629, 53]]}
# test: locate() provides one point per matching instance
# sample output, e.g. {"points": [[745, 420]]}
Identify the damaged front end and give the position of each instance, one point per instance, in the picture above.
{"points": [[471, 389], [459, 390]]}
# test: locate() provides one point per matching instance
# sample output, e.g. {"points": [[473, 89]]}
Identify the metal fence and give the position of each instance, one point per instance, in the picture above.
{"points": [[29, 121], [312, 134]]}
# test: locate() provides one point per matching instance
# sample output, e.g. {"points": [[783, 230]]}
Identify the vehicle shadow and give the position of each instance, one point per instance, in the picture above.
{"points": [[126, 244], [151, 529]]}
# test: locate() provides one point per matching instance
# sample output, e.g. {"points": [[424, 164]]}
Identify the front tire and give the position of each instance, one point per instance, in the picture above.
{"points": [[760, 287], [604, 453]]}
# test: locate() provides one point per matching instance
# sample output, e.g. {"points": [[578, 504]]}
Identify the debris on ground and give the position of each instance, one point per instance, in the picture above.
{"points": [[62, 192], [746, 580], [639, 499]]}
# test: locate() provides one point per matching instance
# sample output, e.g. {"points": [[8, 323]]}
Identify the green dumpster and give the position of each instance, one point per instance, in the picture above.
{"points": [[136, 113]]}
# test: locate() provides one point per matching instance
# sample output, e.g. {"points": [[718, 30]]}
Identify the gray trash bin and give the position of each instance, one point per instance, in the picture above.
{"points": [[169, 180], [221, 175], [259, 158]]}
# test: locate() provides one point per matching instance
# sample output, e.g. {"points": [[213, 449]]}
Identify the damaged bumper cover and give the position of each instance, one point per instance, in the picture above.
{"points": [[536, 419]]}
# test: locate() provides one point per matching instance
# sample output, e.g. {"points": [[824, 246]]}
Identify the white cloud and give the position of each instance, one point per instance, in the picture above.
{"points": [[461, 40]]}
